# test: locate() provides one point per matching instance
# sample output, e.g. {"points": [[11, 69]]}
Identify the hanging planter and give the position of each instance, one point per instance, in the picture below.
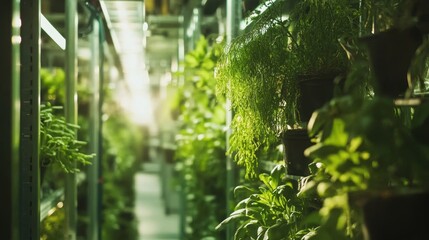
{"points": [[314, 91], [390, 215], [249, 6], [390, 54], [295, 141]]}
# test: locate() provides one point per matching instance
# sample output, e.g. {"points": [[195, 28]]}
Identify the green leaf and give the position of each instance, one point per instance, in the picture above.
{"points": [[232, 217]]}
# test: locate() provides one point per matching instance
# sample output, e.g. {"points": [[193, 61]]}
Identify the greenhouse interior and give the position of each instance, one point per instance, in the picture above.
{"points": [[136, 120]]}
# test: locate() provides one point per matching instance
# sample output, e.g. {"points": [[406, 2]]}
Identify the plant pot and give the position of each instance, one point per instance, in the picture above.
{"points": [[315, 91], [295, 141], [397, 216], [249, 5], [390, 55]]}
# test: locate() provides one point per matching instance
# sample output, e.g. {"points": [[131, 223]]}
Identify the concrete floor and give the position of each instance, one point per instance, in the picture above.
{"points": [[153, 222]]}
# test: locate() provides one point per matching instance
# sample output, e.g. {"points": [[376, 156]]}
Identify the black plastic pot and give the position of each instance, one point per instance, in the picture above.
{"points": [[249, 5], [295, 141], [391, 53], [397, 216], [315, 91]]}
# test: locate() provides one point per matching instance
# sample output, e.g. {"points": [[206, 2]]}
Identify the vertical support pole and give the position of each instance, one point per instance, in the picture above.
{"points": [[94, 116], [70, 198], [181, 82], [29, 186], [100, 130], [196, 16], [9, 124], [233, 18]]}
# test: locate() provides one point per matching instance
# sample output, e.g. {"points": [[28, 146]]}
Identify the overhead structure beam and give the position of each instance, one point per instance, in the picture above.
{"points": [[52, 32]]}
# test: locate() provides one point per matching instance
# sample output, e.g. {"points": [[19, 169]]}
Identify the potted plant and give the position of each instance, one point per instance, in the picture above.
{"points": [[367, 155], [317, 56], [252, 73], [276, 64], [319, 63], [394, 35]]}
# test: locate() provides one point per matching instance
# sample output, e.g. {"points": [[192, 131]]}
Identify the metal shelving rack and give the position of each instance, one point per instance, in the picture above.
{"points": [[22, 209], [29, 179], [9, 125]]}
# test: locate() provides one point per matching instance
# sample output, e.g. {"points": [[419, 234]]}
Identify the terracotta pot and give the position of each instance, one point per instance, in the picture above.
{"points": [[390, 55], [295, 141]]}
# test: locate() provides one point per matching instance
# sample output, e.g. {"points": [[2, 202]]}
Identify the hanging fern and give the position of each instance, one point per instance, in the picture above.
{"points": [[58, 143]]}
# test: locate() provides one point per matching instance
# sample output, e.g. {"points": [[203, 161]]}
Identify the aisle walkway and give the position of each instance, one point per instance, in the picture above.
{"points": [[153, 224]]}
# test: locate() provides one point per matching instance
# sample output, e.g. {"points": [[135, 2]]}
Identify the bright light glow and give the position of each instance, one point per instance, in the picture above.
{"points": [[190, 30], [259, 10], [16, 22], [50, 212], [165, 79], [60, 205], [16, 39], [114, 73], [143, 112], [128, 29], [145, 26], [52, 32], [137, 104]]}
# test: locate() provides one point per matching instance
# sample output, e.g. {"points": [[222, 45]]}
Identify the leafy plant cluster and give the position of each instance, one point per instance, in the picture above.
{"points": [[63, 148], [271, 209], [52, 85], [363, 147], [120, 162], [200, 152], [58, 143], [365, 144], [251, 73], [260, 70]]}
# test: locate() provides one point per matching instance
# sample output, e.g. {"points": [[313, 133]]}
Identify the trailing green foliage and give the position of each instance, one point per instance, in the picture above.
{"points": [[58, 143], [200, 153], [260, 69], [317, 27], [252, 73]]}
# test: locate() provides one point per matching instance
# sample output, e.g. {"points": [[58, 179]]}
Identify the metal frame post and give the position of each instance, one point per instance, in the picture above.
{"points": [[70, 198], [233, 18], [94, 116], [29, 185], [9, 126]]}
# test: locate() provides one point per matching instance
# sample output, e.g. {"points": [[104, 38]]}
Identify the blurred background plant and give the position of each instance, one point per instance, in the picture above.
{"points": [[200, 153]]}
